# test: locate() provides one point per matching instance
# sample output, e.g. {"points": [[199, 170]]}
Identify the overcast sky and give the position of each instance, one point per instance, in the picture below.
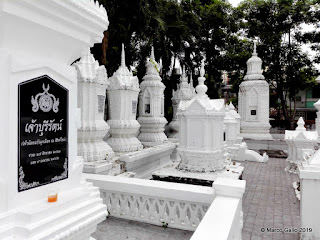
{"points": [[234, 2]]}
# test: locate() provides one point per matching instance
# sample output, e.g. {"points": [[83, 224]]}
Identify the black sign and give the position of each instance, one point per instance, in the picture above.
{"points": [[101, 102], [253, 112], [134, 106], [43, 133]]}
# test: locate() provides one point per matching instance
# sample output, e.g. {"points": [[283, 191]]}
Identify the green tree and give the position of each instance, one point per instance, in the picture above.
{"points": [[276, 23]]}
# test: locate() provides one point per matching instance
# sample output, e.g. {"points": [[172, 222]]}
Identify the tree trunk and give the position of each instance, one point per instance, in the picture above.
{"points": [[104, 47]]}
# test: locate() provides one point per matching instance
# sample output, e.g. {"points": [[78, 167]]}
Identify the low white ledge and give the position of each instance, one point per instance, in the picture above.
{"points": [[153, 188], [229, 187], [219, 221]]}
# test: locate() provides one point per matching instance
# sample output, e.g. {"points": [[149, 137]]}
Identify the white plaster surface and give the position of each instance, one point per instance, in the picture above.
{"points": [[309, 174], [51, 42]]}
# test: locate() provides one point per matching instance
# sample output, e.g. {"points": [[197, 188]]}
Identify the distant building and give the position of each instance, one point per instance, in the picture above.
{"points": [[305, 101]]}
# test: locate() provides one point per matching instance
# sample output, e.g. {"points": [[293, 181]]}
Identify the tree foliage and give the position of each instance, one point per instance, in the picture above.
{"points": [[277, 24], [213, 30]]}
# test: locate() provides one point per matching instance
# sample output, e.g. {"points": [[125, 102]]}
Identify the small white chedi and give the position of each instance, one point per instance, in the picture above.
{"points": [[254, 101], [151, 105], [184, 92], [92, 85], [301, 143], [201, 131], [236, 148], [122, 101]]}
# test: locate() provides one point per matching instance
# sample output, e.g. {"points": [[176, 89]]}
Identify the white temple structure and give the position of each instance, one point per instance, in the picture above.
{"points": [[151, 105], [301, 143], [122, 101], [183, 92], [92, 85], [201, 131], [254, 101]]}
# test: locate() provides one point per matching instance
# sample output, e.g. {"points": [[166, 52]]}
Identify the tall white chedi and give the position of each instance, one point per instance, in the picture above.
{"points": [[122, 101], [151, 105], [201, 145], [254, 101], [92, 85], [183, 92]]}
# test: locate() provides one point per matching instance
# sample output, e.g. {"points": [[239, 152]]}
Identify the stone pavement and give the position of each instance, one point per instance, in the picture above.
{"points": [[121, 229], [269, 200]]}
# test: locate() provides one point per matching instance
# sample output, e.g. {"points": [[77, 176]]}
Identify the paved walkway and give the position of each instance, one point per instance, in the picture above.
{"points": [[120, 229], [269, 200]]}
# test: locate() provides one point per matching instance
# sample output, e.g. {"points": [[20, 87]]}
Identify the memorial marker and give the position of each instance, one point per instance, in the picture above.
{"points": [[43, 132]]}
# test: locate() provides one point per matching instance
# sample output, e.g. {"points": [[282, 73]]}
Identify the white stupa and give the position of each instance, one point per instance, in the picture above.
{"points": [[151, 105], [254, 101], [122, 101], [183, 92], [201, 131], [92, 85]]}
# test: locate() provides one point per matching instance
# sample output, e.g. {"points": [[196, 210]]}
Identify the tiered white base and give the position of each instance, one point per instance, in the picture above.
{"points": [[95, 151], [123, 136], [73, 217], [152, 130], [201, 161], [124, 145]]}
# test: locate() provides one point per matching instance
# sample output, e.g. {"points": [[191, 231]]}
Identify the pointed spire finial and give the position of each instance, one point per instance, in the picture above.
{"points": [[202, 69], [152, 54], [201, 88], [301, 125], [255, 48], [191, 82], [123, 60]]}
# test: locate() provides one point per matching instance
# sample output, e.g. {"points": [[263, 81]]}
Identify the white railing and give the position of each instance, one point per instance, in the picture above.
{"points": [[161, 203], [224, 218], [176, 205]]}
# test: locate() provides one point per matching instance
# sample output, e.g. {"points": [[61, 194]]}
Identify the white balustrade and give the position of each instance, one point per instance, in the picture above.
{"points": [[179, 205], [224, 218]]}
